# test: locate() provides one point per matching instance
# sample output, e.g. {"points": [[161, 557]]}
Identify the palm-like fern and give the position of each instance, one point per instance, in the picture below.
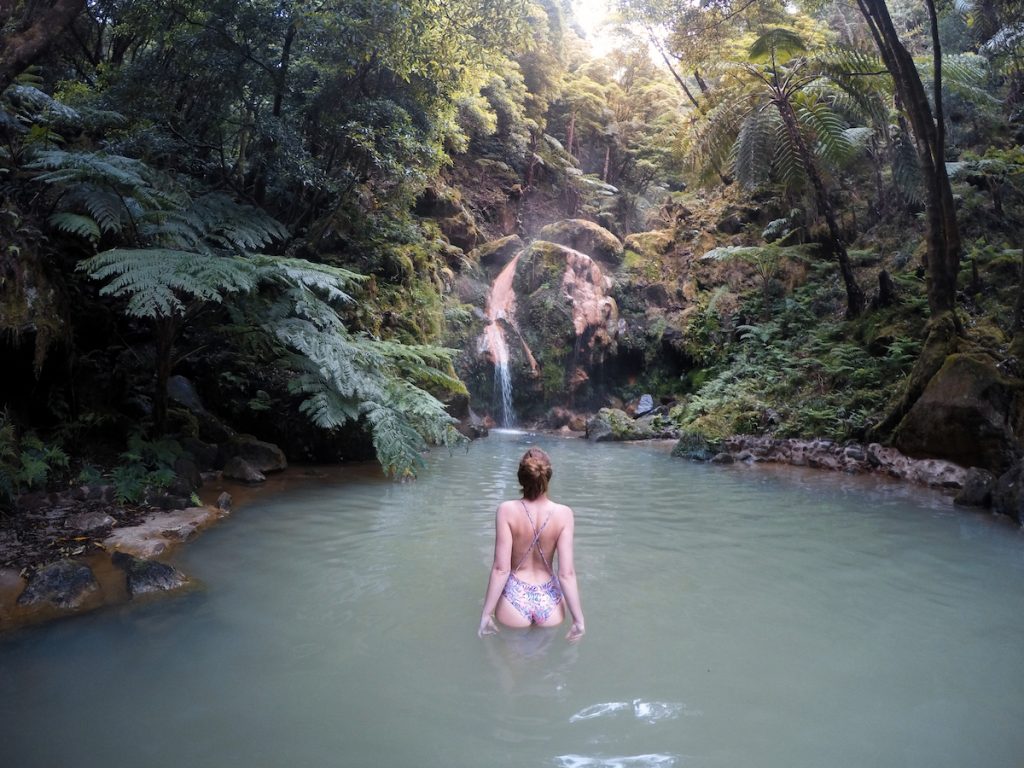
{"points": [[182, 252]]}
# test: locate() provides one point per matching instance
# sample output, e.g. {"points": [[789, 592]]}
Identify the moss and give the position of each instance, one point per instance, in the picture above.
{"points": [[651, 245]]}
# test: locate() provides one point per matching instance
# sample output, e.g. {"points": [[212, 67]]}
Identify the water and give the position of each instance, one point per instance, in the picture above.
{"points": [[735, 617], [503, 385]]}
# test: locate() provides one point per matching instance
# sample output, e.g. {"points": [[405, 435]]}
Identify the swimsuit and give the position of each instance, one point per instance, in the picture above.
{"points": [[535, 602]]}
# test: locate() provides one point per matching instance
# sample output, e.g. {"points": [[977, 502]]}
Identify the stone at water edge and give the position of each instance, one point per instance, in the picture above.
{"points": [[497, 253], [1008, 494], [977, 490], [969, 413], [159, 531], [89, 522], [144, 576], [64, 584], [646, 405], [259, 454], [238, 468], [611, 424], [224, 502]]}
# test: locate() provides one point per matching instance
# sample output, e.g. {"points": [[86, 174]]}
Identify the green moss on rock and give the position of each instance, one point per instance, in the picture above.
{"points": [[586, 236]]}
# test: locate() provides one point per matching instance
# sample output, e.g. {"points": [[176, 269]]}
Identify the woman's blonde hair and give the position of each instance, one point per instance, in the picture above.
{"points": [[534, 473]]}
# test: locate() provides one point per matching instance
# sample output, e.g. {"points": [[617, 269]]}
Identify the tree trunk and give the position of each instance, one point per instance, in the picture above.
{"points": [[24, 47], [942, 257], [854, 294]]}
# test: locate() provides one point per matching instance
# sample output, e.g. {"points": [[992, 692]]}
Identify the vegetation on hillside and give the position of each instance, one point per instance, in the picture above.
{"points": [[280, 201]]}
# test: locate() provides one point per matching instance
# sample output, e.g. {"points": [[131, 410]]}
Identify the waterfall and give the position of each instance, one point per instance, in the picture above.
{"points": [[501, 306]]}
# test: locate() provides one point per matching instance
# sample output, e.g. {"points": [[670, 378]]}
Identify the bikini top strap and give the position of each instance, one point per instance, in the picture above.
{"points": [[536, 539]]}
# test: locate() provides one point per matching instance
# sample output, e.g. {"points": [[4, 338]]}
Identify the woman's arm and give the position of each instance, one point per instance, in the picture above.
{"points": [[499, 571], [567, 579]]}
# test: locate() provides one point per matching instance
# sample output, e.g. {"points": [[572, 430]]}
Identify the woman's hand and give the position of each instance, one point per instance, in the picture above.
{"points": [[487, 626], [576, 632]]}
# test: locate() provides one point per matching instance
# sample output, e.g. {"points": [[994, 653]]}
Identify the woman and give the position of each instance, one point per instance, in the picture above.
{"points": [[529, 532]]}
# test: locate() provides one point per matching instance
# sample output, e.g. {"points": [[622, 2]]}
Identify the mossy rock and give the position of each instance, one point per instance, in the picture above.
{"points": [[497, 253], [969, 413], [542, 264], [696, 447], [653, 244], [587, 237], [612, 424]]}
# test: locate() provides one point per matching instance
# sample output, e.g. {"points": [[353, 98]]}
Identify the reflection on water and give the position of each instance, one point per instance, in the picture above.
{"points": [[736, 616]]}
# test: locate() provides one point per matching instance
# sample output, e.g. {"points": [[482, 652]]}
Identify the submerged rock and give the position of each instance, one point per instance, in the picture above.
{"points": [[144, 576], [64, 584], [696, 447]]}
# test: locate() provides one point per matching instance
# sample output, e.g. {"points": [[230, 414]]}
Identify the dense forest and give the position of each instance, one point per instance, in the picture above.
{"points": [[283, 218]]}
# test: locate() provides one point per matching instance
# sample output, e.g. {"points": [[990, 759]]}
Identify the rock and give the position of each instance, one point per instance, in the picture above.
{"points": [[143, 576], [651, 244], [64, 584], [224, 502], [237, 468], [159, 531], [460, 230], [1008, 494], [611, 424], [260, 455], [969, 413], [577, 423], [977, 490], [722, 458], [730, 225], [696, 447], [187, 477], [497, 253], [646, 405], [586, 236], [203, 454], [89, 522]]}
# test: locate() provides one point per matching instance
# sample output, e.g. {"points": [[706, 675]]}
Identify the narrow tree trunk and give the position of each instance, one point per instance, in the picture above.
{"points": [[854, 294], [570, 133]]}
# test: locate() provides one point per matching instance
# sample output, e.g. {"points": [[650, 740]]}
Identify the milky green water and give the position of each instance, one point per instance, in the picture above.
{"points": [[736, 616]]}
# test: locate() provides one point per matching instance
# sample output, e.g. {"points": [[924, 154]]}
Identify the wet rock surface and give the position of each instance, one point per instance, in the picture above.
{"points": [[829, 454], [145, 576], [63, 584]]}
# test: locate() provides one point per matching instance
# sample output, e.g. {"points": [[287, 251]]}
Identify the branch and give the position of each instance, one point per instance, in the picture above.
{"points": [[21, 50]]}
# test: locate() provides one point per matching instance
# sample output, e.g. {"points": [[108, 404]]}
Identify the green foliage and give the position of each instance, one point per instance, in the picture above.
{"points": [[26, 461]]}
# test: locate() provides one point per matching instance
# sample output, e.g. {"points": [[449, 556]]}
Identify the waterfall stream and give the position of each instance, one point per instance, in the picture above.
{"points": [[501, 307]]}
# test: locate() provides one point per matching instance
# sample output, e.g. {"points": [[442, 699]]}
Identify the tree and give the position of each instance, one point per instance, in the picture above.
{"points": [[771, 117]]}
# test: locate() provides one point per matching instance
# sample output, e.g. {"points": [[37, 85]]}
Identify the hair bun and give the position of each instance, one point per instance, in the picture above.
{"points": [[534, 473]]}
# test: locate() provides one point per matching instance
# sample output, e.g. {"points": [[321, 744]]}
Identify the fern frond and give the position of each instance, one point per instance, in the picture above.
{"points": [[157, 280], [75, 224], [751, 156], [827, 128]]}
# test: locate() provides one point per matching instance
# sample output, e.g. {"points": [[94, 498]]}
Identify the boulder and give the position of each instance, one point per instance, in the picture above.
{"points": [[143, 576], [586, 236], [260, 455], [203, 454], [696, 447], [969, 413], [611, 424], [497, 253], [64, 584], [1008, 494], [237, 468], [224, 502], [977, 490], [651, 244]]}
